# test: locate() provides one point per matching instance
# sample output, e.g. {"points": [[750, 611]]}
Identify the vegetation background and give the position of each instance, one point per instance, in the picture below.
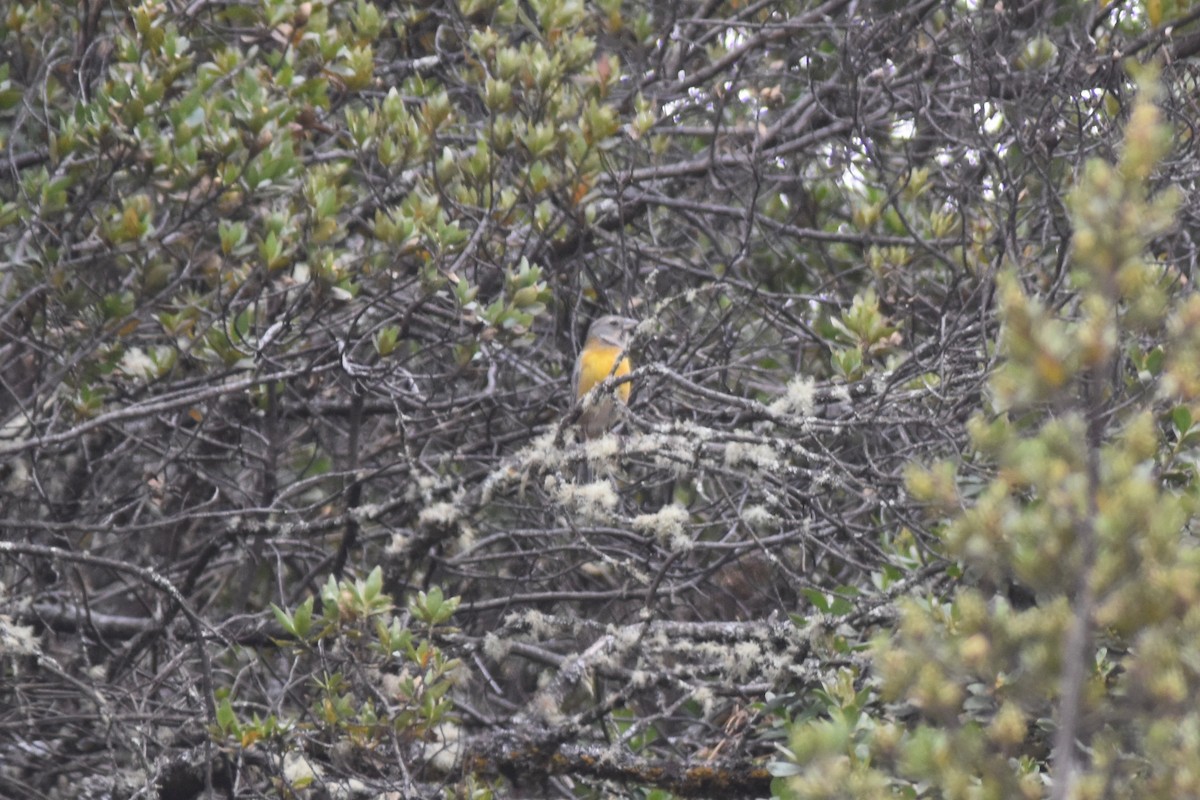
{"points": [[904, 502]]}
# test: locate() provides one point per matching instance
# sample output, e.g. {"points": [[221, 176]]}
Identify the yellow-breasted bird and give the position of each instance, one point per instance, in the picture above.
{"points": [[607, 340]]}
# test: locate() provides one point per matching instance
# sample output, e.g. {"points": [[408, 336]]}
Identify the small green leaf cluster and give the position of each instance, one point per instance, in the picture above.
{"points": [[247, 732], [833, 748], [859, 335], [375, 677], [530, 169], [525, 296]]}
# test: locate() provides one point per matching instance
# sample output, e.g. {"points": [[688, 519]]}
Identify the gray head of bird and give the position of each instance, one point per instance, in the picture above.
{"points": [[612, 330]]}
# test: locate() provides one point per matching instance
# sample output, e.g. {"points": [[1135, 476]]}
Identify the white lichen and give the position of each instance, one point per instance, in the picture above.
{"points": [[625, 637], [399, 545], [798, 398], [603, 448], [440, 513], [297, 769], [757, 454], [594, 502], [542, 450], [466, 539], [544, 707], [16, 640], [760, 518], [667, 526], [747, 658], [137, 364], [495, 647], [641, 679], [367, 512], [540, 626], [671, 451]]}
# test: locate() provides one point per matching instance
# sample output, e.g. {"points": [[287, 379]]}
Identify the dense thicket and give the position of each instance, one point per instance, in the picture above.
{"points": [[292, 290]]}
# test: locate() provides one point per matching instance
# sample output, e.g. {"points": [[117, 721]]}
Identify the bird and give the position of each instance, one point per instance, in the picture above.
{"points": [[607, 340]]}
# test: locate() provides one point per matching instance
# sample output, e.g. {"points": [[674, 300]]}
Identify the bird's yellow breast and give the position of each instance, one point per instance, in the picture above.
{"points": [[596, 363]]}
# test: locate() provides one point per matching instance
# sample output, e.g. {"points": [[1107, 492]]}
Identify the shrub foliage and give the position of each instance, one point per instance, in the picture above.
{"points": [[292, 500]]}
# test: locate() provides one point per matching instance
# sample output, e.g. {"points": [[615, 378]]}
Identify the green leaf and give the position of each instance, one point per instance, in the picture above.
{"points": [[284, 619], [817, 598], [374, 585], [303, 618], [226, 718], [1181, 416]]}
